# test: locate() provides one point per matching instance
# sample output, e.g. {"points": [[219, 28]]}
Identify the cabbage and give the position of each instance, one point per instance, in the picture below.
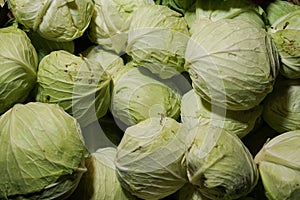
{"points": [[58, 20], [285, 32], [137, 95], [41, 152], [158, 41], [110, 22], [278, 8], [100, 181], [219, 165], [282, 106], [279, 164], [232, 63], [18, 66], [150, 158], [78, 85], [196, 111]]}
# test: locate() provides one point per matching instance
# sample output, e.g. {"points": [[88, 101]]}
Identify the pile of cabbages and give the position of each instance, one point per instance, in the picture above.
{"points": [[149, 99]]}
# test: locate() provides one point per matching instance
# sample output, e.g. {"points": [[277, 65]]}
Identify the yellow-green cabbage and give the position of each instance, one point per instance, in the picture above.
{"points": [[279, 164], [282, 106], [58, 20], [285, 32], [79, 85], [158, 41], [219, 165], [138, 95], [233, 63], [111, 21], [150, 158], [100, 182], [278, 8], [18, 67], [42, 152]]}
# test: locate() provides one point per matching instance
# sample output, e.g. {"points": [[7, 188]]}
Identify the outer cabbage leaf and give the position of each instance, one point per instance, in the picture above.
{"points": [[100, 182], [196, 111], [111, 21], [158, 42], [279, 164], [285, 32], [282, 106], [18, 66], [278, 8], [59, 20], [41, 152], [137, 95], [149, 160], [232, 63], [80, 86], [219, 164]]}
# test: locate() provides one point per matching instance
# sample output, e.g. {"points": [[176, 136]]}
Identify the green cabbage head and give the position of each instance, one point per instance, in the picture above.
{"points": [[282, 106], [233, 63], [285, 32], [111, 21], [42, 152], [158, 41], [279, 164], [58, 20], [138, 95], [18, 67], [219, 165], [100, 182], [278, 8], [149, 160], [79, 85]]}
